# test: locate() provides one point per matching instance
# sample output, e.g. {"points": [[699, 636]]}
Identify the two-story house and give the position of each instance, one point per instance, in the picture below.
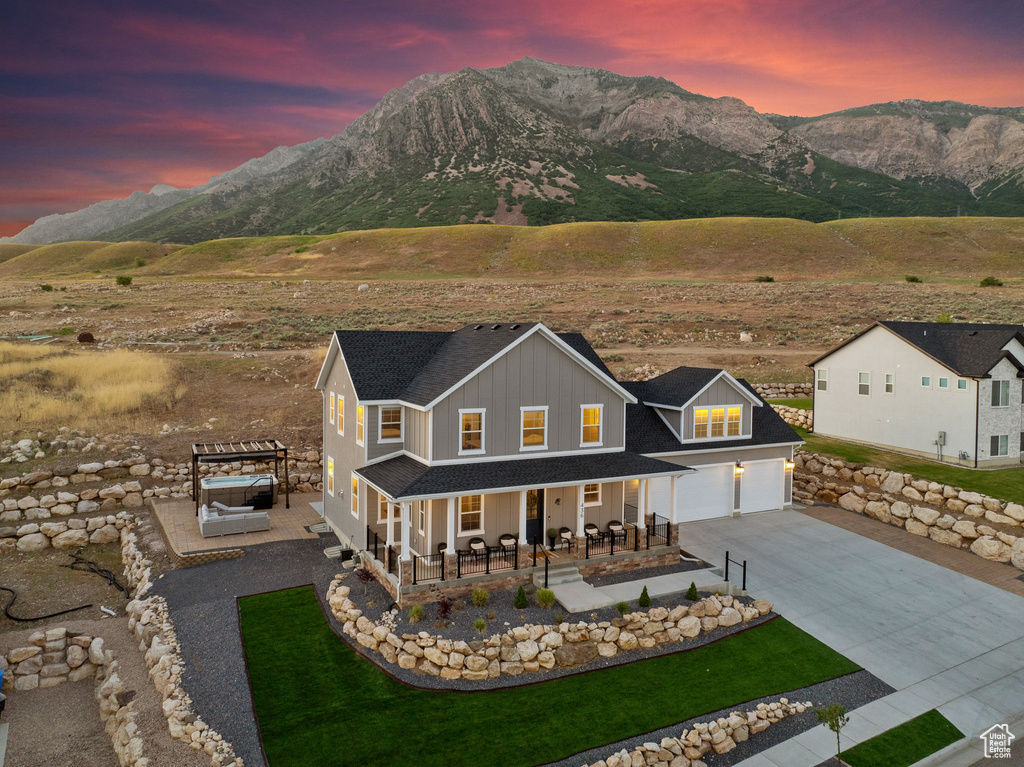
{"points": [[452, 454], [947, 391]]}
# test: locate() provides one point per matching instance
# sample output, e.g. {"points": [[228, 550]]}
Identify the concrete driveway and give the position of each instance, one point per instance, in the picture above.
{"points": [[941, 639]]}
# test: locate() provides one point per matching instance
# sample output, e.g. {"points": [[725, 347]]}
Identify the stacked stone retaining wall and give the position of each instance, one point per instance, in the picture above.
{"points": [[784, 390]]}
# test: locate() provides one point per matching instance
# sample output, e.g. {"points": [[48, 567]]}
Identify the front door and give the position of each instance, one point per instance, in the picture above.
{"points": [[535, 516]]}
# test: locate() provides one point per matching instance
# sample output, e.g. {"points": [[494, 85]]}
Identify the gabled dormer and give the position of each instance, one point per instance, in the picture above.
{"points": [[702, 404]]}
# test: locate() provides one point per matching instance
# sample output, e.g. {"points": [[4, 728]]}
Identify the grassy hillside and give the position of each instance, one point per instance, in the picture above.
{"points": [[9, 250], [720, 248]]}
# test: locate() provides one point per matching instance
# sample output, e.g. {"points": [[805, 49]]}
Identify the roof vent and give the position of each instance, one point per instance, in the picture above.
{"points": [[477, 327], [515, 327], [495, 327]]}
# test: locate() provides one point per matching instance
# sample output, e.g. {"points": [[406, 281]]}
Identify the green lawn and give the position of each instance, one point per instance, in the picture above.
{"points": [[906, 744], [800, 403], [318, 702], [1007, 484]]}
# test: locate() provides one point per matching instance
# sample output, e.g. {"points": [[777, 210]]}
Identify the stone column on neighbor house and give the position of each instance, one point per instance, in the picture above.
{"points": [[522, 518]]}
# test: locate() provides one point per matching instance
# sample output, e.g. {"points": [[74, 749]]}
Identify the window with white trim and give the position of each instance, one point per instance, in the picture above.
{"points": [[341, 415], [864, 384], [822, 379], [332, 407], [382, 508], [890, 385], [359, 424], [734, 418], [592, 494], [389, 428], [591, 429], [354, 495], [330, 475], [421, 515], [1000, 394], [943, 382], [534, 428], [700, 423], [471, 514], [717, 422], [1000, 445], [926, 382], [471, 431], [961, 384]]}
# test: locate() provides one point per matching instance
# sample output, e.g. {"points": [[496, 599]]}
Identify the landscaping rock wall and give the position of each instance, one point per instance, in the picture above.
{"points": [[535, 648], [719, 737], [784, 390], [63, 534], [986, 526], [60, 655], [149, 619], [796, 416]]}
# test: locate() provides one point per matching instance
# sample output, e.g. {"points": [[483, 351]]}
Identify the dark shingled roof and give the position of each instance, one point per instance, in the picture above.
{"points": [[969, 349], [417, 366], [677, 387], [647, 433], [405, 477]]}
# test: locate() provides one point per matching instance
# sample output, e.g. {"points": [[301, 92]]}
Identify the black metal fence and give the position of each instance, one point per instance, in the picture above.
{"points": [[429, 567], [743, 566], [391, 555], [612, 542], [386, 555], [657, 532], [488, 560]]}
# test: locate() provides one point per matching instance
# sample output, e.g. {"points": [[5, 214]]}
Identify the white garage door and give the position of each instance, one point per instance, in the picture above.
{"points": [[761, 486], [705, 493]]}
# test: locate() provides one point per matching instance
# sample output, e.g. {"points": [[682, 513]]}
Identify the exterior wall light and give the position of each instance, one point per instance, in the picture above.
{"points": [[739, 468], [790, 465]]}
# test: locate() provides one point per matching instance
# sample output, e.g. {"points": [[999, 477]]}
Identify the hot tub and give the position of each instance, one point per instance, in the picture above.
{"points": [[243, 490]]}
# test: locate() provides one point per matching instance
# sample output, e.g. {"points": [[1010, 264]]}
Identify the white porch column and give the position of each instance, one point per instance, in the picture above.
{"points": [[672, 499], [451, 525], [581, 512], [391, 524], [641, 505], [406, 522], [522, 518]]}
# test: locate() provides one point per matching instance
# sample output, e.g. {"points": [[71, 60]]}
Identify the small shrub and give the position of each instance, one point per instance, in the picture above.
{"points": [[545, 598], [491, 615], [301, 249], [991, 282], [65, 332], [416, 613], [691, 593], [481, 598], [614, 357], [480, 625], [444, 607], [764, 278], [559, 617], [622, 607], [912, 278], [944, 317], [520, 600], [86, 338], [365, 577], [46, 288], [124, 280], [140, 261], [645, 598]]}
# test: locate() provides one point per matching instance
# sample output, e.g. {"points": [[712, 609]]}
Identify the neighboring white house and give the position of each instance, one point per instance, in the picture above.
{"points": [[947, 391]]}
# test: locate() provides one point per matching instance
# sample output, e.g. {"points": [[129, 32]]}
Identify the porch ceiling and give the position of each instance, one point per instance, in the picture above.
{"points": [[405, 478]]}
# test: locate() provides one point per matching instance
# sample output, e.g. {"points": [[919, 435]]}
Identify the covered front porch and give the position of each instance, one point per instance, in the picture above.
{"points": [[480, 527]]}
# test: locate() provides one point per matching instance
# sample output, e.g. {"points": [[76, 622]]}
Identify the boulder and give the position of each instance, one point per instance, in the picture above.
{"points": [[1017, 553], [33, 542], [966, 528], [578, 653], [689, 626], [878, 509], [1015, 512], [763, 606], [912, 493], [627, 641], [87, 506], [900, 509], [989, 548], [893, 483], [852, 502], [730, 616], [975, 510], [106, 534], [70, 539], [917, 528], [947, 537], [1000, 519], [926, 515]]}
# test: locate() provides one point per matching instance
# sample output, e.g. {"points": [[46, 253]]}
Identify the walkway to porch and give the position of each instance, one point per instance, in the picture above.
{"points": [[580, 596]]}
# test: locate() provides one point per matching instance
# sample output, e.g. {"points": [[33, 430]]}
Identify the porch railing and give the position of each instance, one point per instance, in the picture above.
{"points": [[392, 555], [491, 559], [610, 543], [386, 555], [657, 532], [429, 567]]}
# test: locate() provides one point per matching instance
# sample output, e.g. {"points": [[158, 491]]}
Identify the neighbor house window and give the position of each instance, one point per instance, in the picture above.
{"points": [[943, 382], [535, 428], [359, 424], [421, 515], [1000, 394], [471, 514], [591, 425], [355, 496], [382, 507], [735, 416], [341, 415], [390, 428], [889, 383], [1000, 445], [592, 495], [700, 423], [471, 432], [864, 384], [330, 476], [822, 379], [332, 407], [718, 422], [961, 384], [926, 382]]}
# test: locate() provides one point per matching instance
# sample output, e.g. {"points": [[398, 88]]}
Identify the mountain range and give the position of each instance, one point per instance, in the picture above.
{"points": [[536, 143]]}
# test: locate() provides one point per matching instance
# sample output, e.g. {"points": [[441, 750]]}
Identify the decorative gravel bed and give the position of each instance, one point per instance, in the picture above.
{"points": [[852, 691], [647, 572]]}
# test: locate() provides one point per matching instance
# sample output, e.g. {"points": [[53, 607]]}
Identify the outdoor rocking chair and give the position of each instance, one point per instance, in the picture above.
{"points": [[565, 536], [593, 532], [617, 531]]}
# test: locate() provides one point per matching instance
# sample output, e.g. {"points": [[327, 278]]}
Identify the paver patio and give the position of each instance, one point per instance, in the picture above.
{"points": [[943, 639]]}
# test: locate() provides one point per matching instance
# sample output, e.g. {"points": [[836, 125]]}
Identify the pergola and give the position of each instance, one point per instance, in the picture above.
{"points": [[243, 450]]}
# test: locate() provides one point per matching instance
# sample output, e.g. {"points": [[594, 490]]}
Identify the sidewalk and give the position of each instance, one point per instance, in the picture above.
{"points": [[579, 596]]}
